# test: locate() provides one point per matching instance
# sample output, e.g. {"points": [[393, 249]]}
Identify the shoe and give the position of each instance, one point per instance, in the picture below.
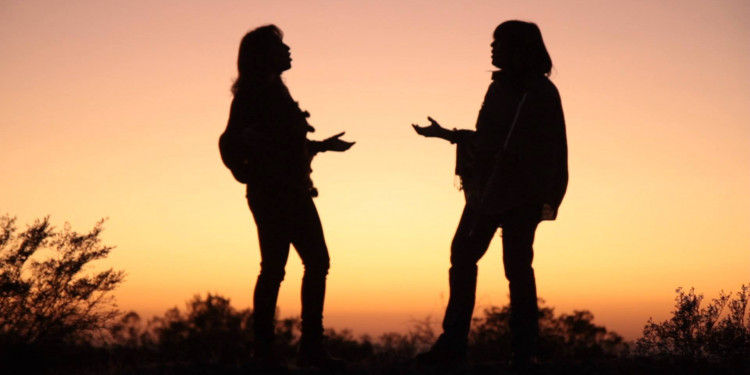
{"points": [[523, 364], [313, 355], [269, 363], [444, 353]]}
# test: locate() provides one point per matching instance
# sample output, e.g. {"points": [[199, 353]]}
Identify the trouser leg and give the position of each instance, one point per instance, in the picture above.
{"points": [[518, 253], [274, 252], [310, 244], [273, 260], [470, 242]]}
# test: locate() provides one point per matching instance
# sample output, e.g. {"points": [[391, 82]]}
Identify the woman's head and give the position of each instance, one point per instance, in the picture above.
{"points": [[262, 54], [518, 48]]}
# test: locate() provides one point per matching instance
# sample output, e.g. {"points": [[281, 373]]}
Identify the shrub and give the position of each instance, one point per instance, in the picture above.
{"points": [[211, 330], [565, 336], [717, 333], [52, 301]]}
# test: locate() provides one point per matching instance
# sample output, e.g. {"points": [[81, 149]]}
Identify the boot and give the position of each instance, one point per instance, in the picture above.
{"points": [[444, 353], [312, 354], [523, 363], [266, 361]]}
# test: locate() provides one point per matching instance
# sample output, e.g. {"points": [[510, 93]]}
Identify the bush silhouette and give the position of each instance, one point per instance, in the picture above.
{"points": [[46, 301], [716, 334], [211, 330], [568, 337], [52, 308]]}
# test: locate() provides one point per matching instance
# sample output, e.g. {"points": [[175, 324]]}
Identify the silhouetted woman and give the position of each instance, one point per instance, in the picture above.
{"points": [[275, 154], [514, 172]]}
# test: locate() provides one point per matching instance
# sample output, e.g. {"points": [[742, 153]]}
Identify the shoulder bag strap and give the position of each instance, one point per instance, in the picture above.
{"points": [[515, 119]]}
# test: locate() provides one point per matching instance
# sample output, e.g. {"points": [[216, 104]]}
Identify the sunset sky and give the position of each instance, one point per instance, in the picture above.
{"points": [[114, 108]]}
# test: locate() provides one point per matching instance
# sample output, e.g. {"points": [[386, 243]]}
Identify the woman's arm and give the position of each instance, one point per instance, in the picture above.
{"points": [[434, 130], [334, 143], [542, 146]]}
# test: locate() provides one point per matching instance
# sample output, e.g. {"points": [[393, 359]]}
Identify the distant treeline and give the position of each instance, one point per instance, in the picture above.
{"points": [[56, 319], [212, 330]]}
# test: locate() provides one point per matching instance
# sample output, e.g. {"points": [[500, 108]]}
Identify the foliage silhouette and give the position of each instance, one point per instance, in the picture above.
{"points": [[51, 308], [716, 334], [563, 337], [51, 301], [211, 336], [215, 325], [211, 331], [128, 332]]}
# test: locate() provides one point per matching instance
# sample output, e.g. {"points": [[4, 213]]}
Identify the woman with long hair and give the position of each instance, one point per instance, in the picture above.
{"points": [[272, 155], [514, 171]]}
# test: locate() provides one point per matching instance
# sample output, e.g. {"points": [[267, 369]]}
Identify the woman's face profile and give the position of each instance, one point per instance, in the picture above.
{"points": [[499, 53], [279, 57]]}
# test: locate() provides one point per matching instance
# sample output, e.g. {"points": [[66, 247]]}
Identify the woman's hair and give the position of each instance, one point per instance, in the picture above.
{"points": [[525, 45], [253, 57]]}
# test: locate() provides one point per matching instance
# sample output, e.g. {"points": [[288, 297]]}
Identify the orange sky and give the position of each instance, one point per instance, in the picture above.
{"points": [[113, 109]]}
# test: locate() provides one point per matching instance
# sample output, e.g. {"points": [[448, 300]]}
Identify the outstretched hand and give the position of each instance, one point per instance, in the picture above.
{"points": [[430, 131], [336, 144]]}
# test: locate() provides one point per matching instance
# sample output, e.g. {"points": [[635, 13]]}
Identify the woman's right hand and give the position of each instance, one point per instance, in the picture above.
{"points": [[432, 130], [335, 143]]}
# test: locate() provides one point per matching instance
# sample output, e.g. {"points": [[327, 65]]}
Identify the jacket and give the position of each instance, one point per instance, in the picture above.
{"points": [[533, 168], [272, 130]]}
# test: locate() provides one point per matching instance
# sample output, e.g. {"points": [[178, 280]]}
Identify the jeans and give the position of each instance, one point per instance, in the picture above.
{"points": [[472, 238], [284, 219]]}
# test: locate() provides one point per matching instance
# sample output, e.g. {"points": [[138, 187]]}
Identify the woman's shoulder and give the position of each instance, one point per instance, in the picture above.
{"points": [[249, 93], [542, 88], [251, 99], [541, 85], [537, 85]]}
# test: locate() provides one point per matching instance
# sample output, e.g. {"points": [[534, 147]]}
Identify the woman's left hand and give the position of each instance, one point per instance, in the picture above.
{"points": [[336, 144], [430, 131]]}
